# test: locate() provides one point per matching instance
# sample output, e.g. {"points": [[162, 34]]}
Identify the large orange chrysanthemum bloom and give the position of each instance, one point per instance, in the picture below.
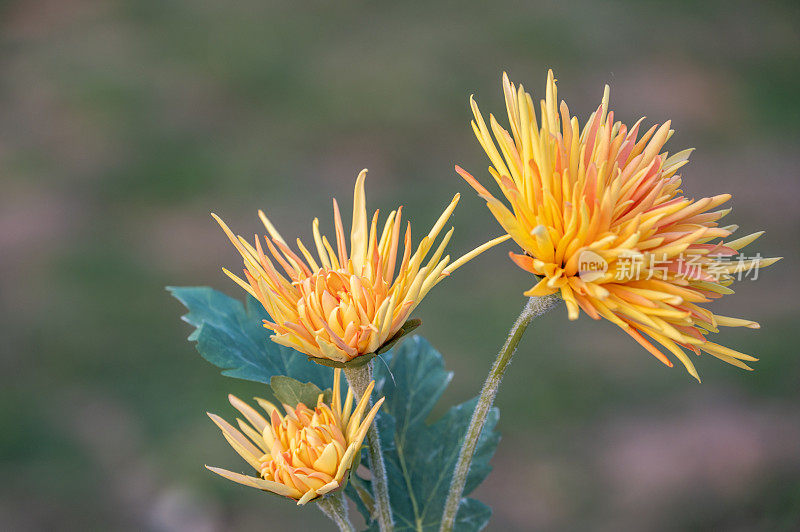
{"points": [[601, 218], [305, 453], [348, 304]]}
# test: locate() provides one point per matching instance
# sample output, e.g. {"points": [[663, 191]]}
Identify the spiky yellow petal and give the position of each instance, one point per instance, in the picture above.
{"points": [[602, 219], [345, 304]]}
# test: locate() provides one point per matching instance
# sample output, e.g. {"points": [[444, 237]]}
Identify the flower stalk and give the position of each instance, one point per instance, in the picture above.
{"points": [[335, 508], [359, 377], [535, 307]]}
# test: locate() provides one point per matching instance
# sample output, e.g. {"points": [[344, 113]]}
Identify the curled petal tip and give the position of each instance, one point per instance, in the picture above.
{"points": [[539, 230]]}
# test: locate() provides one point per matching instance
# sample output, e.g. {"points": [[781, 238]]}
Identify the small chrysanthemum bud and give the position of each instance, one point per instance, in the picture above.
{"points": [[304, 453]]}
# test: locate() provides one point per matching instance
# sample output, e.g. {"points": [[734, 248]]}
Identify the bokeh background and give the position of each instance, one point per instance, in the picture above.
{"points": [[124, 123]]}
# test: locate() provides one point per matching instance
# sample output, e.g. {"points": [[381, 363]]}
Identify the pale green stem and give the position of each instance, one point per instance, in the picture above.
{"points": [[535, 307], [359, 378], [335, 507]]}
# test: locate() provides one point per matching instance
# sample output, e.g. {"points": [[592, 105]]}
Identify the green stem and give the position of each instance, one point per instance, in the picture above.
{"points": [[359, 378], [335, 507], [535, 307]]}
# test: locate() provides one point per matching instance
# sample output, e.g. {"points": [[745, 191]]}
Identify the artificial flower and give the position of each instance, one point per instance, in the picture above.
{"points": [[602, 220], [345, 304], [304, 453]]}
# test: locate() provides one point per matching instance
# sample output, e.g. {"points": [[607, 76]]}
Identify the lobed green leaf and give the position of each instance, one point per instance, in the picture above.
{"points": [[420, 456], [232, 337]]}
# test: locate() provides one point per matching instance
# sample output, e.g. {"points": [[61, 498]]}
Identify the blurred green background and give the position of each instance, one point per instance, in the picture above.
{"points": [[124, 123]]}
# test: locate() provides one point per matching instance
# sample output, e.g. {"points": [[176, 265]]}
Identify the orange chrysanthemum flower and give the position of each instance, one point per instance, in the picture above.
{"points": [[348, 304], [305, 453], [602, 219]]}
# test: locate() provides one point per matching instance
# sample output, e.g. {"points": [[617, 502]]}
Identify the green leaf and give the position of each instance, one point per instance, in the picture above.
{"points": [[231, 336], [290, 391], [420, 457]]}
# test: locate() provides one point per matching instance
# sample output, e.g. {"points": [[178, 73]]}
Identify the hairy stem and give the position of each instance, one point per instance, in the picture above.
{"points": [[535, 307], [359, 378], [335, 507]]}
